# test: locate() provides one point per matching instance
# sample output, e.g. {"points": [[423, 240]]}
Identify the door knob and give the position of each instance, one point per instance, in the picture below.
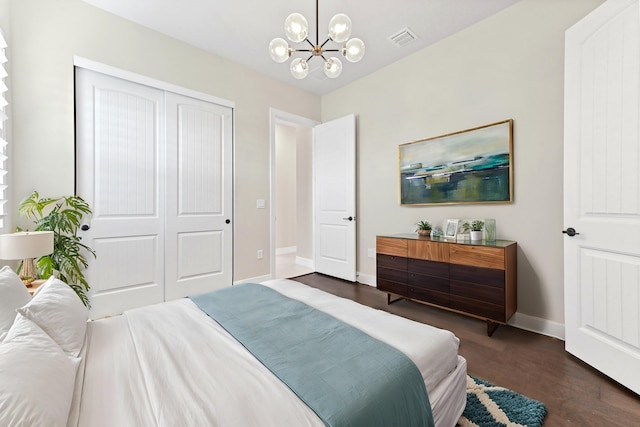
{"points": [[228, 221], [349, 218], [570, 232]]}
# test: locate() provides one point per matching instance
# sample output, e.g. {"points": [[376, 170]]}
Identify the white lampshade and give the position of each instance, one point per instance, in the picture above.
{"points": [[296, 27], [25, 245], [340, 28], [353, 50], [279, 50], [333, 67], [299, 68]]}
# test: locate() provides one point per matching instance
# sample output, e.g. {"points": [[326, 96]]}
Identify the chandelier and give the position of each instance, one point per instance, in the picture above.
{"points": [[296, 29]]}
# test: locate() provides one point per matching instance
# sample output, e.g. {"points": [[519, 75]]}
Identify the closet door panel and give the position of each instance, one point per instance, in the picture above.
{"points": [[120, 150], [199, 196]]}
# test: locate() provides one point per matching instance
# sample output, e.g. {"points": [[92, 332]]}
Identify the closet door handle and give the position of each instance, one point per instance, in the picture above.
{"points": [[570, 232], [228, 221], [350, 218]]}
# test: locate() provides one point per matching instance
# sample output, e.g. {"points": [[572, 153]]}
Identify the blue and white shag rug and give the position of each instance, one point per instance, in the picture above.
{"points": [[492, 406]]}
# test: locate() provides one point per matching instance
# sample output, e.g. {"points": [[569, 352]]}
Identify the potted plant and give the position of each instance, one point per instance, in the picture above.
{"points": [[424, 228], [475, 228], [436, 233], [63, 216]]}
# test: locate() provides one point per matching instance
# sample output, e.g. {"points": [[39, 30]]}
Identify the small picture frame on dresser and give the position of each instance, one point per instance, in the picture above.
{"points": [[451, 229]]}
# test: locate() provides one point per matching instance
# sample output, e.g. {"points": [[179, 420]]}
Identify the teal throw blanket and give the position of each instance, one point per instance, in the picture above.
{"points": [[347, 377]]}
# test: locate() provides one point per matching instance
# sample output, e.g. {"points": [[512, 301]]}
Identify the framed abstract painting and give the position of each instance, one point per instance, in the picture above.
{"points": [[469, 166]]}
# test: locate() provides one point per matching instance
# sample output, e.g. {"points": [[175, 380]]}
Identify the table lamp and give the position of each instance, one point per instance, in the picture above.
{"points": [[26, 245]]}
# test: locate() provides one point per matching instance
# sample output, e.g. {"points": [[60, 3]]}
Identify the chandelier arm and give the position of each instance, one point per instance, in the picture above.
{"points": [[309, 41], [309, 58], [325, 42]]}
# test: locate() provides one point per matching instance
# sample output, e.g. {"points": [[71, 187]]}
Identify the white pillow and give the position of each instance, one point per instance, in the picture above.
{"points": [[37, 378], [13, 294], [58, 310]]}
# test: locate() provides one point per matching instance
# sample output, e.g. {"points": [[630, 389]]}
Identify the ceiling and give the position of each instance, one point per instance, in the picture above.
{"points": [[240, 30]]}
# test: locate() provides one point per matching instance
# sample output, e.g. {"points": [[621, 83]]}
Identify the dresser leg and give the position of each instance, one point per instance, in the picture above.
{"points": [[491, 327], [389, 301]]}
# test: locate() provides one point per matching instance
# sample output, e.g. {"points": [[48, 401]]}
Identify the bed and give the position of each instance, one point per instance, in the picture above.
{"points": [[171, 364]]}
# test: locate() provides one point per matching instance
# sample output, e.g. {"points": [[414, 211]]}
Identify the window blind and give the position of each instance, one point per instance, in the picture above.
{"points": [[3, 130]]}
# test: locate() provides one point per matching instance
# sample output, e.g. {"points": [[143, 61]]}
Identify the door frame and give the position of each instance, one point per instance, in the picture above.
{"points": [[280, 117], [99, 67]]}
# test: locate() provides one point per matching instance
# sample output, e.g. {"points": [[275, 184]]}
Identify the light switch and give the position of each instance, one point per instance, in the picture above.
{"points": [[260, 203]]}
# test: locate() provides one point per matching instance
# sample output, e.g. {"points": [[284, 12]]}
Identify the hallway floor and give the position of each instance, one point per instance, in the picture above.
{"points": [[286, 266]]}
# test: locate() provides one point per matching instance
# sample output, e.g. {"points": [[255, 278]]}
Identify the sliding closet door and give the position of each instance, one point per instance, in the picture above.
{"points": [[199, 196], [120, 148], [156, 168]]}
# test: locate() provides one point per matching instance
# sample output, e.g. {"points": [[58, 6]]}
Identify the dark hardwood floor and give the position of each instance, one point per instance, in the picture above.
{"points": [[535, 365]]}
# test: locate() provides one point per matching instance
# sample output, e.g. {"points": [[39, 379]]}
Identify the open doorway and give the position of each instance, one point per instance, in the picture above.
{"points": [[291, 195]]}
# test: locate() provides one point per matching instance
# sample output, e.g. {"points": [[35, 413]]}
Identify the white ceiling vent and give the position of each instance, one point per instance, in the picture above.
{"points": [[403, 37]]}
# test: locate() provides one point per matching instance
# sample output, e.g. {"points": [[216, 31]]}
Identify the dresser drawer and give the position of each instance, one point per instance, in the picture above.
{"points": [[484, 276], [426, 295], [392, 274], [392, 287], [428, 282], [391, 246], [431, 268], [391, 261], [480, 256], [429, 250], [478, 308], [477, 292]]}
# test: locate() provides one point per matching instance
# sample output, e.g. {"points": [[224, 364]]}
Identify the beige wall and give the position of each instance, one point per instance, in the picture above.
{"points": [[286, 193], [294, 197], [508, 66], [45, 36], [304, 209]]}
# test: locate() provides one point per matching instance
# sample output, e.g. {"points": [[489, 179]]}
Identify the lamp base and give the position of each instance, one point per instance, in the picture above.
{"points": [[27, 281], [28, 272]]}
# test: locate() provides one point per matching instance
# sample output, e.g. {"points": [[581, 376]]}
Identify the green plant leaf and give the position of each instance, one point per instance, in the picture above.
{"points": [[63, 216]]}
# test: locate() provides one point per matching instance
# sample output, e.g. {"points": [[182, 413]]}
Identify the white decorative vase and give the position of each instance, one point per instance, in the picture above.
{"points": [[476, 235]]}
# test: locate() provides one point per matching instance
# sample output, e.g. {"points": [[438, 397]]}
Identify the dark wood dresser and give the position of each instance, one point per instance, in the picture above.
{"points": [[473, 278]]}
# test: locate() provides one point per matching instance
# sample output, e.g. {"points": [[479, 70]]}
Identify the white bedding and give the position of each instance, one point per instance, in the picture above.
{"points": [[170, 364]]}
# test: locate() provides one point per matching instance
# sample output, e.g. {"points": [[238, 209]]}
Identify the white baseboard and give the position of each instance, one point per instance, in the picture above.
{"points": [[305, 262], [538, 325], [257, 279], [366, 279]]}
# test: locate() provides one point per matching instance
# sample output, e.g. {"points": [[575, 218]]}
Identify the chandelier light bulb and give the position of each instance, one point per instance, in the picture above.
{"points": [[340, 28], [296, 27], [353, 50], [279, 50], [333, 68], [299, 68]]}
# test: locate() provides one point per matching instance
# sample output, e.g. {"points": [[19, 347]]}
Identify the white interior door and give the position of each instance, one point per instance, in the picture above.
{"points": [[334, 159], [199, 196], [602, 191], [120, 149]]}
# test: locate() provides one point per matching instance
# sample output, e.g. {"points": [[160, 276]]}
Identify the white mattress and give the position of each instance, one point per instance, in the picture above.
{"points": [[170, 364]]}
